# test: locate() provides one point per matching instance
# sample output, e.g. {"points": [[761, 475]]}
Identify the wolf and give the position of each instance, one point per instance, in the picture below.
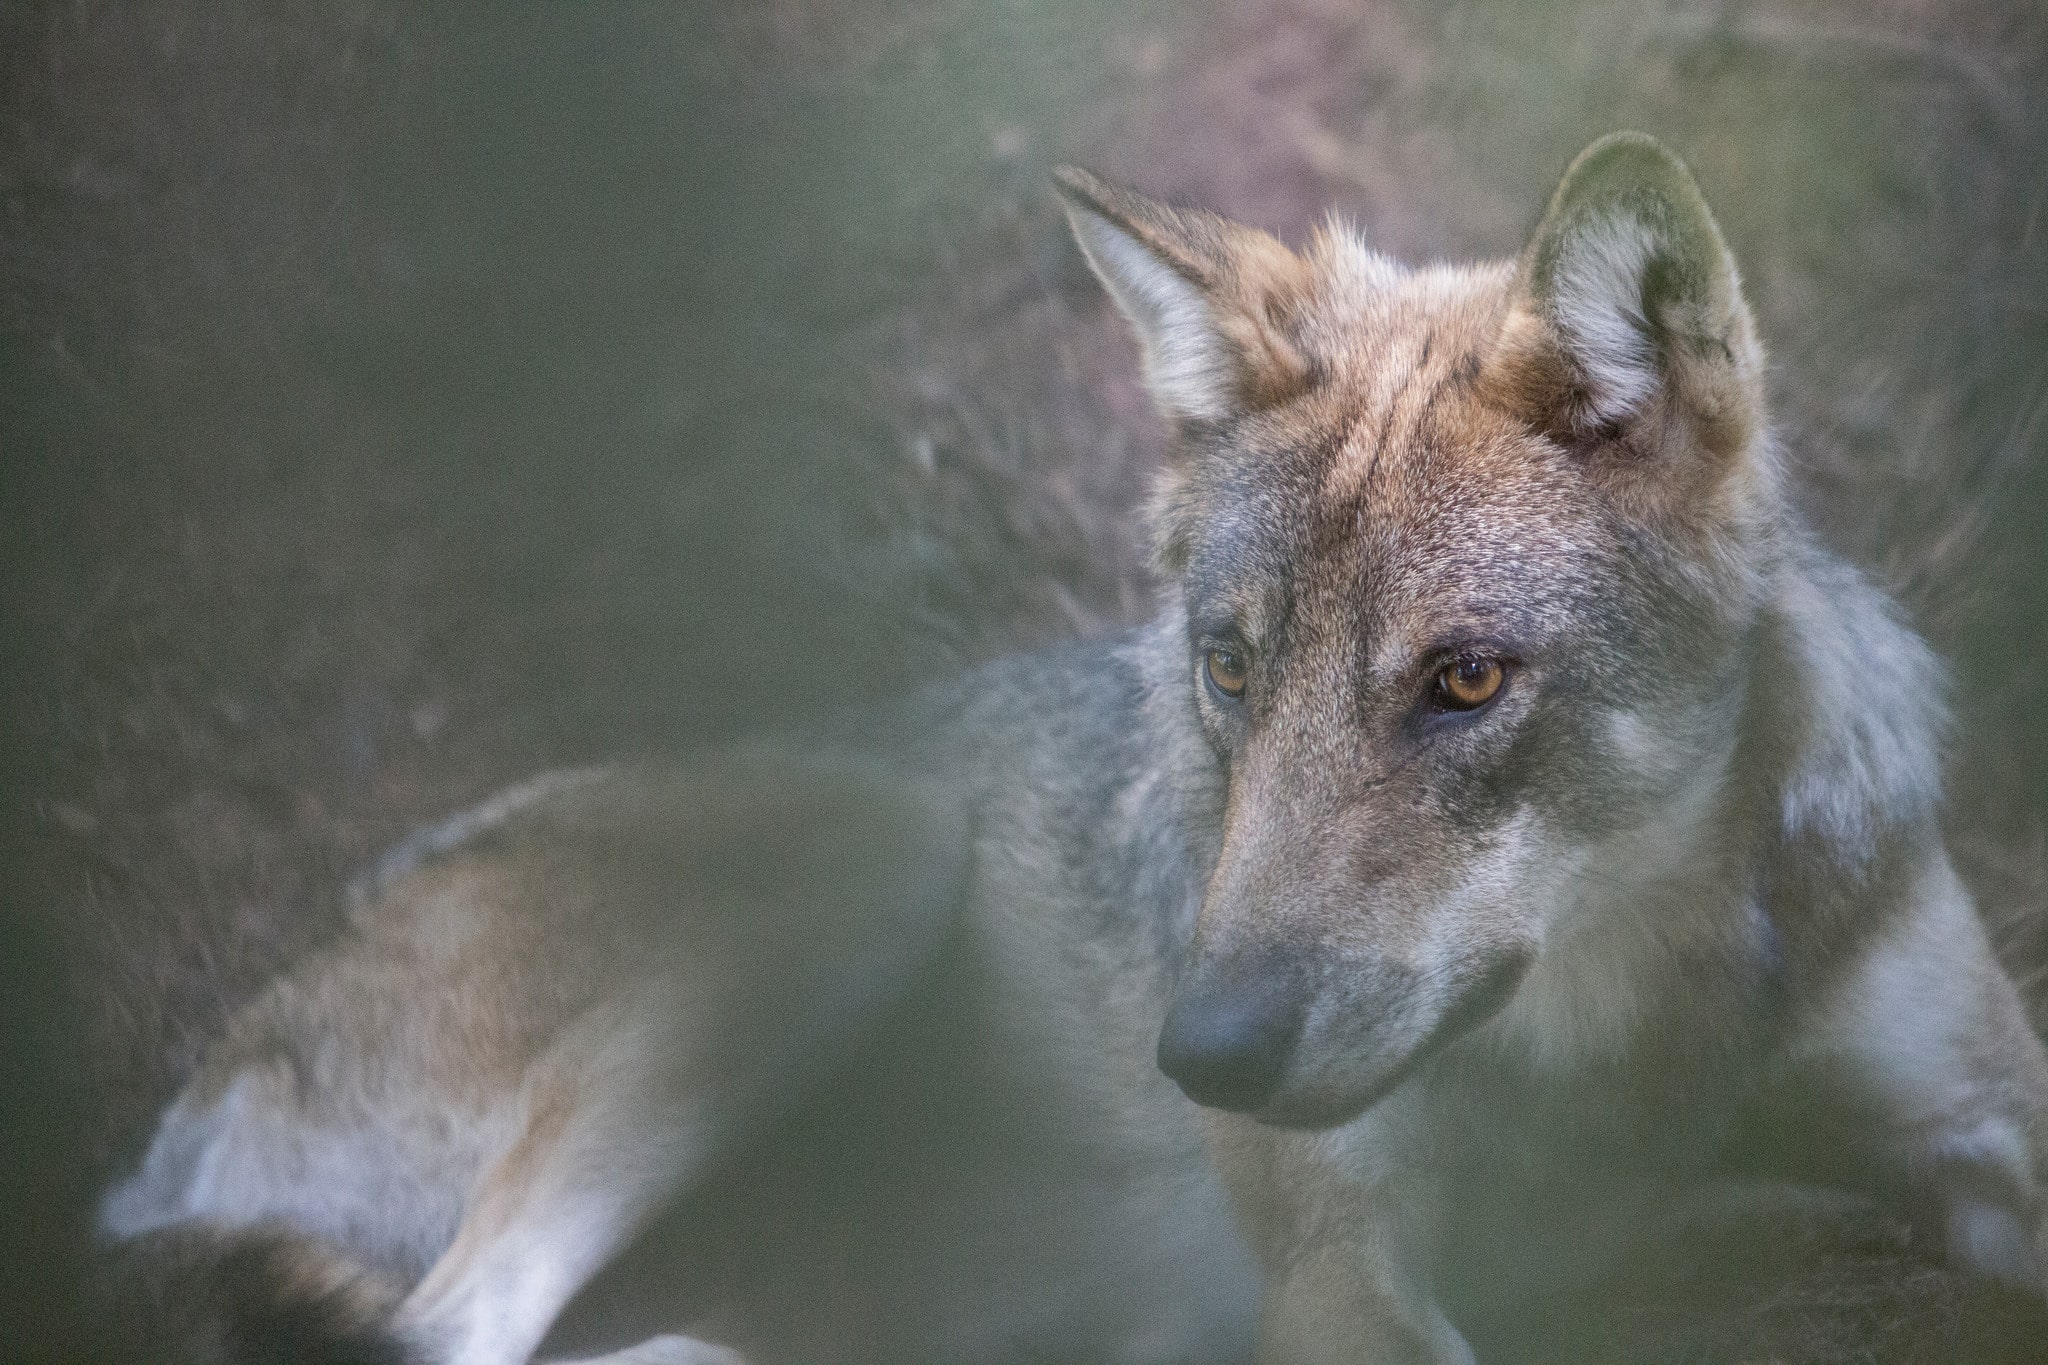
{"points": [[1512, 821]]}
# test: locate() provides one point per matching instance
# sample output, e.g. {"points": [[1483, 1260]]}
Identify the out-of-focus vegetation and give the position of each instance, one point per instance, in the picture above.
{"points": [[398, 399]]}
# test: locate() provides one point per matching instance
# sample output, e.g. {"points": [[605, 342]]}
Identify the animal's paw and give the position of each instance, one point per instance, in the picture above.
{"points": [[1991, 1240], [668, 1350]]}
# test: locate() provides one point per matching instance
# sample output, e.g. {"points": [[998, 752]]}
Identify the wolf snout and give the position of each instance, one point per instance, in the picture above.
{"points": [[1227, 1043]]}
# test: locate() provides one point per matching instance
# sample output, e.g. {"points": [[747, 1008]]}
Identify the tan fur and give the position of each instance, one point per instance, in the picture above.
{"points": [[1252, 280]]}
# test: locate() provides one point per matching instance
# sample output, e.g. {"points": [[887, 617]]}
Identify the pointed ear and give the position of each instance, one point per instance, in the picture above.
{"points": [[1214, 303], [1628, 325]]}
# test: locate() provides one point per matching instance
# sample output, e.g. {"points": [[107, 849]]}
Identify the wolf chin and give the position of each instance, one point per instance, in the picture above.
{"points": [[1512, 821]]}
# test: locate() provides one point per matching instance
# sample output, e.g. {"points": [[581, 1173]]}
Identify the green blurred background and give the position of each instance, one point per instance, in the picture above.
{"points": [[396, 399]]}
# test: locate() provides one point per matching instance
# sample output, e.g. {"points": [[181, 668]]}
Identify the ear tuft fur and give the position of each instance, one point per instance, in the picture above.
{"points": [[1211, 300], [1629, 317]]}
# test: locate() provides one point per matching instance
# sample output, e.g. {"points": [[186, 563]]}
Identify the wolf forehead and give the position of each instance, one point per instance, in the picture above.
{"points": [[1569, 437], [1393, 467]]}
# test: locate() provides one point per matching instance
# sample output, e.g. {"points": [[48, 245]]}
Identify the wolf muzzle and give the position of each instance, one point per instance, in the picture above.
{"points": [[1237, 1035]]}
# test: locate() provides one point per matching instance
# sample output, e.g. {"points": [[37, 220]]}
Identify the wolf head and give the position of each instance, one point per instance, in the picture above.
{"points": [[1467, 556]]}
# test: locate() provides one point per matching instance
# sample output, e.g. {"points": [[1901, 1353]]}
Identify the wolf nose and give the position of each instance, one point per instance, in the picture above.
{"points": [[1228, 1048]]}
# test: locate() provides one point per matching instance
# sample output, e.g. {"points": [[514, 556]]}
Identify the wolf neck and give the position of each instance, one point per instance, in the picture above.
{"points": [[1867, 720], [1777, 857]]}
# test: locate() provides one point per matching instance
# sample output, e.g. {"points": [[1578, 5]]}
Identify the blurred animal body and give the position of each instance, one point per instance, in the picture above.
{"points": [[1511, 819]]}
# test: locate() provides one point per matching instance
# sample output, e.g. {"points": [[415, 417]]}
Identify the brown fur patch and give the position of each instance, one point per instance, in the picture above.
{"points": [[1254, 283]]}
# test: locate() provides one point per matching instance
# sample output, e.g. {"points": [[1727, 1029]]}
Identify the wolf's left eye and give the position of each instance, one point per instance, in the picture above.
{"points": [[1468, 684]]}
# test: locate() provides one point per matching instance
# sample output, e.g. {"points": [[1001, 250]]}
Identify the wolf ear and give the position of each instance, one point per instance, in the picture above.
{"points": [[1213, 302], [1628, 324]]}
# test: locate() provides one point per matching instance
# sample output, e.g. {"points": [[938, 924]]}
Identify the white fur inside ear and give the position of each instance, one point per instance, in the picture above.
{"points": [[1187, 361], [1598, 306]]}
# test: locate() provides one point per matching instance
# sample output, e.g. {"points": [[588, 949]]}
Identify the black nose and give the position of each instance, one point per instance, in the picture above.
{"points": [[1228, 1046]]}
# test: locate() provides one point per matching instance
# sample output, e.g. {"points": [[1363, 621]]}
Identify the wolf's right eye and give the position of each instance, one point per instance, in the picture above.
{"points": [[1469, 684], [1227, 672]]}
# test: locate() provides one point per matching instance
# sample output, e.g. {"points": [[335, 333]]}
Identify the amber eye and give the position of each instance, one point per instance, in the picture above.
{"points": [[1226, 670], [1470, 683]]}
